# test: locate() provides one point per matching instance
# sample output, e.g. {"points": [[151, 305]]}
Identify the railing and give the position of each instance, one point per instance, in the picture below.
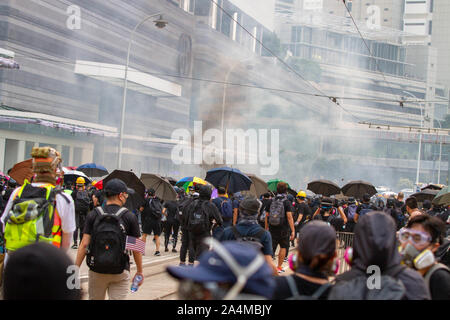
{"points": [[344, 241]]}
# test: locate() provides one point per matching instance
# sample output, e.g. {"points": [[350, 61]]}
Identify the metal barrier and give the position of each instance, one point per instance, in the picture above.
{"points": [[344, 240]]}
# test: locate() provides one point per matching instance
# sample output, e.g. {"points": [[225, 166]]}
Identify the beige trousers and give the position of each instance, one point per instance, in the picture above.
{"points": [[117, 285]]}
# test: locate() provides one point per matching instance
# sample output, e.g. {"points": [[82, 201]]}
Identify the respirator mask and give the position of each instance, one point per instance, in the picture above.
{"points": [[412, 257]]}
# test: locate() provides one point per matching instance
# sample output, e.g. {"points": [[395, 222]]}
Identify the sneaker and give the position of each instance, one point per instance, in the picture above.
{"points": [[166, 249], [182, 264], [285, 259], [174, 250], [74, 246], [157, 253], [280, 270]]}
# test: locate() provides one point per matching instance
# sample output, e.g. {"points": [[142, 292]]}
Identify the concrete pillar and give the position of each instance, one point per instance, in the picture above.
{"points": [[70, 160], [21, 145], [2, 154]]}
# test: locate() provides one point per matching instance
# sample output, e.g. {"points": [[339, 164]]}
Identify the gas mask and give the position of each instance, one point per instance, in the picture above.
{"points": [[413, 258]]}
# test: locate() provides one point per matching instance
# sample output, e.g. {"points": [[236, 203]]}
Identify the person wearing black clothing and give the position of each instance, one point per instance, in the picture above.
{"points": [[183, 204], [172, 225], [82, 202], [364, 208], [313, 262], [262, 211], [151, 214], [375, 243], [285, 231], [205, 212], [303, 212], [424, 235], [117, 285]]}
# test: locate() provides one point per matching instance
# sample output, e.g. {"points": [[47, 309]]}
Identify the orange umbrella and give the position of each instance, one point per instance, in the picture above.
{"points": [[21, 171]]}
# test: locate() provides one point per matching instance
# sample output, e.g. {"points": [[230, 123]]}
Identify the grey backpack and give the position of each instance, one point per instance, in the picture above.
{"points": [[277, 214]]}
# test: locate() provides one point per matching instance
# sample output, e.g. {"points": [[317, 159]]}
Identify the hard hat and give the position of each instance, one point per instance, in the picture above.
{"points": [[301, 194], [80, 180]]}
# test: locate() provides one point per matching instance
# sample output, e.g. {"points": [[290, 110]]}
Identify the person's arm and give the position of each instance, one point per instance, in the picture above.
{"points": [[66, 240], [291, 224], [235, 215], [356, 217], [266, 224], [316, 213], [342, 214], [164, 211], [81, 253]]}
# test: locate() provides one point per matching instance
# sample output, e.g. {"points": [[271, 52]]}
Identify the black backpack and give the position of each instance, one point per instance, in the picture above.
{"points": [[252, 240], [155, 209], [277, 214], [357, 289], [82, 201], [106, 252], [198, 219]]}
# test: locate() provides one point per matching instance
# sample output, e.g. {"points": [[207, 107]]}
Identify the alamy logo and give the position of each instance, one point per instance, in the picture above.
{"points": [[208, 147], [374, 281], [73, 279], [73, 22], [373, 17]]}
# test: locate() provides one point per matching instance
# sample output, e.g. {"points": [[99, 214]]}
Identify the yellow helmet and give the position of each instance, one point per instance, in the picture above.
{"points": [[301, 194], [80, 180]]}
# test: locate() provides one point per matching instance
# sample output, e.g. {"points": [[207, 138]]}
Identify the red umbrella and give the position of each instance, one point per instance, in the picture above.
{"points": [[21, 171]]}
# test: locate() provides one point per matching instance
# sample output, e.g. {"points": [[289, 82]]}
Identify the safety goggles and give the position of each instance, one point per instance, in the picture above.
{"points": [[417, 237]]}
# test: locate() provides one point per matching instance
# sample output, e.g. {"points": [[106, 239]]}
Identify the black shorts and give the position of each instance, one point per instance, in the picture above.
{"points": [[150, 226], [280, 237]]}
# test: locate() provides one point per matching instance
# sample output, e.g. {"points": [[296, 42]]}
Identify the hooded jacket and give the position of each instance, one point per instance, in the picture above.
{"points": [[375, 243]]}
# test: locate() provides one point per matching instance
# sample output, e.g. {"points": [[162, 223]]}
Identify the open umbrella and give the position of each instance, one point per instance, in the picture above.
{"points": [[21, 171], [172, 181], [186, 182], [358, 188], [272, 184], [71, 176], [232, 179], [425, 194], [93, 170], [258, 187], [292, 192], [443, 197], [133, 182], [432, 186], [163, 188], [326, 188]]}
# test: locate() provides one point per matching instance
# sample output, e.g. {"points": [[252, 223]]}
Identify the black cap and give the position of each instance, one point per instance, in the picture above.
{"points": [[249, 205], [205, 192], [117, 186], [366, 197]]}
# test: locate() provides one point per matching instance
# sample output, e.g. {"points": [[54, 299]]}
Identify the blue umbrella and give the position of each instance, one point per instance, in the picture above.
{"points": [[233, 179], [93, 170]]}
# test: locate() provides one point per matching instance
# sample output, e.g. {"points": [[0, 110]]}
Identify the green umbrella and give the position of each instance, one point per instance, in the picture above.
{"points": [[272, 184], [443, 197]]}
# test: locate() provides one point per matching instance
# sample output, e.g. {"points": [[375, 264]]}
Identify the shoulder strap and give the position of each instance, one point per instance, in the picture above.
{"points": [[430, 272], [236, 232], [292, 287], [319, 292]]}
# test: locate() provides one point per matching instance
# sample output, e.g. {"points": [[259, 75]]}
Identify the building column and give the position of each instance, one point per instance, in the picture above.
{"points": [[2, 154], [21, 145], [71, 151]]}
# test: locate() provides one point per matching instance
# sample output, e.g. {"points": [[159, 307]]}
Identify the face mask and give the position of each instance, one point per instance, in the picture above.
{"points": [[416, 259]]}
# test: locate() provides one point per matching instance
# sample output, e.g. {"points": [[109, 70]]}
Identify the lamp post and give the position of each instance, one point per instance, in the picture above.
{"points": [[160, 23], [440, 154], [420, 138]]}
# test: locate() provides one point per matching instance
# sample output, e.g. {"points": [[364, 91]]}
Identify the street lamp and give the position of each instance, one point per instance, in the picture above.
{"points": [[420, 137], [160, 23]]}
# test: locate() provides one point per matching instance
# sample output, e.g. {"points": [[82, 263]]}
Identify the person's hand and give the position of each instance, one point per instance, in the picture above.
{"points": [[296, 223], [292, 235]]}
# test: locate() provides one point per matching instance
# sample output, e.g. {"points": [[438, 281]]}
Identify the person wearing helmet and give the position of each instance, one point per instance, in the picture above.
{"points": [[302, 212], [82, 202]]}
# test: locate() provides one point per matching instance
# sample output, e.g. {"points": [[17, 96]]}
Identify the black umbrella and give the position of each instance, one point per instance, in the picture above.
{"points": [[358, 188], [292, 192], [324, 187], [432, 187], [133, 182], [427, 194], [232, 179], [93, 170]]}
